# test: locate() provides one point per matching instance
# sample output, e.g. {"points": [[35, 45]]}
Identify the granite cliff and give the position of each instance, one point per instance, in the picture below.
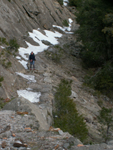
{"points": [[26, 125]]}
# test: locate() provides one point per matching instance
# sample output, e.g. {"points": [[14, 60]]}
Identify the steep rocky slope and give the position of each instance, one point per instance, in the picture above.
{"points": [[29, 123], [17, 17]]}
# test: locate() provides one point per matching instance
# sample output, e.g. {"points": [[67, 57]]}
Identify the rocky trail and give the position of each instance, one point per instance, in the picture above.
{"points": [[26, 120], [25, 125]]}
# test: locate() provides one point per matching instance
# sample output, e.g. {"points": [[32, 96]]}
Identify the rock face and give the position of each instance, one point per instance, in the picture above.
{"points": [[25, 124], [18, 17], [22, 133], [22, 105]]}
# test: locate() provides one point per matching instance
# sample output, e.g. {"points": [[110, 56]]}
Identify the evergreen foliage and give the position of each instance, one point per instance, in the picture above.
{"points": [[102, 80], [90, 17], [11, 48], [13, 44], [55, 55], [1, 79], [1, 103], [60, 2], [65, 23], [74, 2], [68, 118], [106, 119], [96, 33], [3, 41]]}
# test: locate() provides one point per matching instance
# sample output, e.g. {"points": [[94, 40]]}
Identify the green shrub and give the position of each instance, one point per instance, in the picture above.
{"points": [[74, 2], [65, 23], [57, 55], [13, 45], [8, 64], [106, 118], [91, 59], [3, 41], [102, 80], [66, 116], [1, 79], [57, 46], [60, 2], [1, 104]]}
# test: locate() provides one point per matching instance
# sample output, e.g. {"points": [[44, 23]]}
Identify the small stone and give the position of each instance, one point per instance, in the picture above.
{"points": [[80, 145], [3, 144], [56, 147], [28, 129], [12, 117], [13, 135], [19, 143], [5, 138], [22, 113], [66, 145], [60, 132]]}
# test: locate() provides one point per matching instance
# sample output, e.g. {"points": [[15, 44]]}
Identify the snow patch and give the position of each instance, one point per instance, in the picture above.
{"points": [[31, 78], [2, 47], [37, 36], [29, 95], [24, 63], [18, 57], [65, 29], [65, 2]]}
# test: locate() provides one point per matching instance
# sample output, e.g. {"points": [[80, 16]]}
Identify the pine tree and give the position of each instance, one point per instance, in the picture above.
{"points": [[106, 119]]}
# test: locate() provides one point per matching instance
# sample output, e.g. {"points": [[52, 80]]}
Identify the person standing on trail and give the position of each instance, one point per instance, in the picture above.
{"points": [[32, 60]]}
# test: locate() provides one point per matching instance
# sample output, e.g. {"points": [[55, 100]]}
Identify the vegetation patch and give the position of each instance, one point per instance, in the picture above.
{"points": [[56, 55], [13, 45], [106, 119], [101, 80], [11, 48], [3, 41], [65, 23], [96, 33], [3, 102], [66, 116], [1, 79], [60, 2], [73, 2]]}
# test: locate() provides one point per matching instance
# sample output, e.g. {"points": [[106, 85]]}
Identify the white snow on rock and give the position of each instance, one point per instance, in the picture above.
{"points": [[29, 95], [2, 47], [29, 89], [37, 36], [65, 29], [65, 2], [18, 57], [24, 63], [31, 78]]}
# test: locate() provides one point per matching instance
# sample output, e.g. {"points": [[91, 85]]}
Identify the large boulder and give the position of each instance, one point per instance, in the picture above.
{"points": [[21, 105]]}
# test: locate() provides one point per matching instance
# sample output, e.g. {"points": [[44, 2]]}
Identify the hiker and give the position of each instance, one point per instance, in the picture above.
{"points": [[32, 60]]}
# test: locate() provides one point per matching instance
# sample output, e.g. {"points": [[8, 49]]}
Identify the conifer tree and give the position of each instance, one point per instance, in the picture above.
{"points": [[106, 118]]}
